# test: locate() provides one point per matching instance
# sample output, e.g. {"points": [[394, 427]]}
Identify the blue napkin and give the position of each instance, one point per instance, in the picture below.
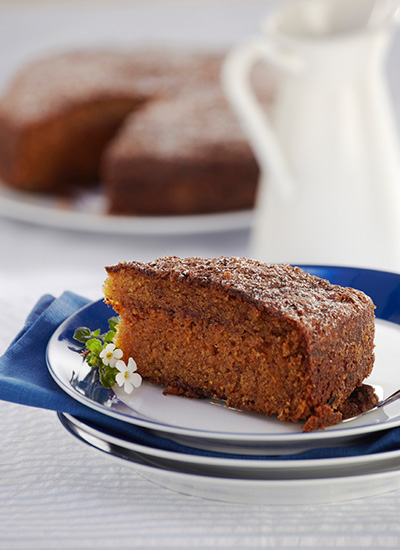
{"points": [[25, 379]]}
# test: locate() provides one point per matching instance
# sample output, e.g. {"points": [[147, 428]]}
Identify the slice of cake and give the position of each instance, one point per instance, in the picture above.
{"points": [[266, 338]]}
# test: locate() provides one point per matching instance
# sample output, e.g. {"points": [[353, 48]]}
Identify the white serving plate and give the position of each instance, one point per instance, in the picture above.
{"points": [[87, 212]]}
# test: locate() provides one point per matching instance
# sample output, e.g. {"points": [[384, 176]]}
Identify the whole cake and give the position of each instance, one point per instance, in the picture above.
{"points": [[59, 112], [266, 338], [150, 126]]}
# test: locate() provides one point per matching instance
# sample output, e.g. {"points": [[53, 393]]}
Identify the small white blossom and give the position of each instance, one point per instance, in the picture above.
{"points": [[127, 376], [110, 355]]}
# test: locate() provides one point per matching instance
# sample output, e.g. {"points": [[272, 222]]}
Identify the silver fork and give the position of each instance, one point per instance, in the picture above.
{"points": [[393, 397]]}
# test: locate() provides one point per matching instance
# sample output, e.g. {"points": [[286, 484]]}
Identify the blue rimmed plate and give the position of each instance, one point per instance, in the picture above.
{"points": [[204, 424]]}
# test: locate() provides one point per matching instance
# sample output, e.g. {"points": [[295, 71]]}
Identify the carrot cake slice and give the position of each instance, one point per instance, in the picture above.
{"points": [[266, 338]]}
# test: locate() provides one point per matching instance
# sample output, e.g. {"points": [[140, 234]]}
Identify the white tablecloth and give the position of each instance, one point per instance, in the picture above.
{"points": [[56, 493]]}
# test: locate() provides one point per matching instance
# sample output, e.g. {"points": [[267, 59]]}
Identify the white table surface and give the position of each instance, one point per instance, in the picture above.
{"points": [[56, 493]]}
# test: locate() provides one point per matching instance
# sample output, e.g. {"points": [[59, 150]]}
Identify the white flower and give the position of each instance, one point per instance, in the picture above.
{"points": [[110, 355], [127, 376]]}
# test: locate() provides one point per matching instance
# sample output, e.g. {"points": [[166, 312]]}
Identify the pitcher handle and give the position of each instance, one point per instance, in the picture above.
{"points": [[235, 76]]}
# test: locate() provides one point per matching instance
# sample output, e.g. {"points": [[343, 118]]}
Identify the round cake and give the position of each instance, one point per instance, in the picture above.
{"points": [[151, 126]]}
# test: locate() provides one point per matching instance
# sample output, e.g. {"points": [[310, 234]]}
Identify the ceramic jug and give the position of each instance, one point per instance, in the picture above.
{"points": [[329, 149]]}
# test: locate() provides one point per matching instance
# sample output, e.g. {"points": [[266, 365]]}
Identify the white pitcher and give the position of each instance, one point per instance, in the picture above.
{"points": [[329, 150]]}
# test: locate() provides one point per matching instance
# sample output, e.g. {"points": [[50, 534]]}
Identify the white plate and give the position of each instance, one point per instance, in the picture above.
{"points": [[200, 423], [249, 491], [248, 468], [87, 212]]}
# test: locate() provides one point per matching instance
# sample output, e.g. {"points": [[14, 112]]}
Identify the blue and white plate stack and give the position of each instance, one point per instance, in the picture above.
{"points": [[202, 448]]}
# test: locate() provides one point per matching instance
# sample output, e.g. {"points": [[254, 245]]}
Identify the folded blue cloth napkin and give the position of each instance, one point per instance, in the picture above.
{"points": [[25, 379]]}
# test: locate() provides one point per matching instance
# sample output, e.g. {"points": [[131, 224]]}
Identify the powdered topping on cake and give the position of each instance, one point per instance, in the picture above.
{"points": [[317, 300], [195, 125], [48, 85]]}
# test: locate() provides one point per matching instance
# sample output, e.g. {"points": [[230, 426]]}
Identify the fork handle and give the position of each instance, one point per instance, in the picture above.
{"points": [[389, 399]]}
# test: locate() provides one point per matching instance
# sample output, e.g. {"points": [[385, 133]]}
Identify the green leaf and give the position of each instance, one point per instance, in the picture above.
{"points": [[107, 376], [94, 345], [109, 336], [93, 360], [82, 334], [113, 322]]}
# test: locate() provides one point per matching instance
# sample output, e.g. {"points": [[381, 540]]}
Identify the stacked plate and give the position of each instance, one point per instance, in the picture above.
{"points": [[202, 448]]}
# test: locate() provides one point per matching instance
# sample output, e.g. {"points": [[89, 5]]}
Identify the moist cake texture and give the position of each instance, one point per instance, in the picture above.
{"points": [[266, 338]]}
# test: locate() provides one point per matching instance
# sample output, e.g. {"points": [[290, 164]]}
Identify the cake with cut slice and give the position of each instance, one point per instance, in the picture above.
{"points": [[150, 127], [59, 112], [266, 338]]}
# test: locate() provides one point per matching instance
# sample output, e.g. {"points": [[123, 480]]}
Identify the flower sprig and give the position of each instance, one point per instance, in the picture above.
{"points": [[101, 353]]}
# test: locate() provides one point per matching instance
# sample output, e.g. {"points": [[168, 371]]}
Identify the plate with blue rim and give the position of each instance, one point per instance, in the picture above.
{"points": [[206, 424]]}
